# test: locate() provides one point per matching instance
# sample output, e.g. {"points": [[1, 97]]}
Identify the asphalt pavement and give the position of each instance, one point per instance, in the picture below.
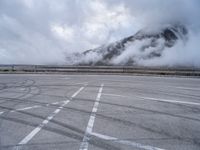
{"points": [[99, 112]]}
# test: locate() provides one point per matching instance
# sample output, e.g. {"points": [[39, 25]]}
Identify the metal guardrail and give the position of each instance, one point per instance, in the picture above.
{"points": [[99, 69]]}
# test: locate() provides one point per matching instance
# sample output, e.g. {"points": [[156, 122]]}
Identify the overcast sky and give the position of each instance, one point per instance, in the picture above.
{"points": [[44, 31]]}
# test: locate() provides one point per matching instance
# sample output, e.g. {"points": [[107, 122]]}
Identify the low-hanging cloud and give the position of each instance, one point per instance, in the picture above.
{"points": [[45, 32]]}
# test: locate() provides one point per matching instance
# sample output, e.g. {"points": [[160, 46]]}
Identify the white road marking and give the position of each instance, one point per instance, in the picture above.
{"points": [[84, 143], [38, 128], [101, 136], [138, 145], [76, 93], [50, 117], [85, 83], [1, 113], [169, 101], [157, 99], [25, 108], [36, 106], [22, 89], [125, 142], [57, 111], [114, 95], [21, 109], [32, 107], [188, 88], [55, 103]]}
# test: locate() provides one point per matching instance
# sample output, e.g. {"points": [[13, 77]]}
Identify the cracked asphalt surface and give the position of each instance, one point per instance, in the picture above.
{"points": [[55, 112]]}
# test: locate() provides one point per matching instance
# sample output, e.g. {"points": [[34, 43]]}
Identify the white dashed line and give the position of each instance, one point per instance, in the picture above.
{"points": [[84, 143], [21, 109], [57, 111], [125, 142], [26, 108], [1, 113], [50, 117], [76, 93]]}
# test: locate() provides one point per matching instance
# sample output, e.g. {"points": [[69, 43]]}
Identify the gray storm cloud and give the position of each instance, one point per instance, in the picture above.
{"points": [[45, 32]]}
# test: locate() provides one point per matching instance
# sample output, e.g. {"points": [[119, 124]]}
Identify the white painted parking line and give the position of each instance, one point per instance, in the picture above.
{"points": [[25, 108], [105, 137], [125, 142], [35, 106], [138, 145], [84, 143], [80, 83], [76, 93], [157, 99], [107, 94], [50, 117], [188, 88], [55, 103], [169, 101]]}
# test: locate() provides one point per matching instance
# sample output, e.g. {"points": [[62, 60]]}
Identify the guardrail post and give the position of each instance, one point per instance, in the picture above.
{"points": [[12, 68], [35, 68]]}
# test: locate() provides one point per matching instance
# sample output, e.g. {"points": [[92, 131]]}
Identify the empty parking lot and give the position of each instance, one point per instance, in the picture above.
{"points": [[95, 112]]}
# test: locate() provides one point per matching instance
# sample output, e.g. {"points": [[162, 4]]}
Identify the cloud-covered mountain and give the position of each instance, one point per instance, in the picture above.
{"points": [[47, 31], [145, 45]]}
